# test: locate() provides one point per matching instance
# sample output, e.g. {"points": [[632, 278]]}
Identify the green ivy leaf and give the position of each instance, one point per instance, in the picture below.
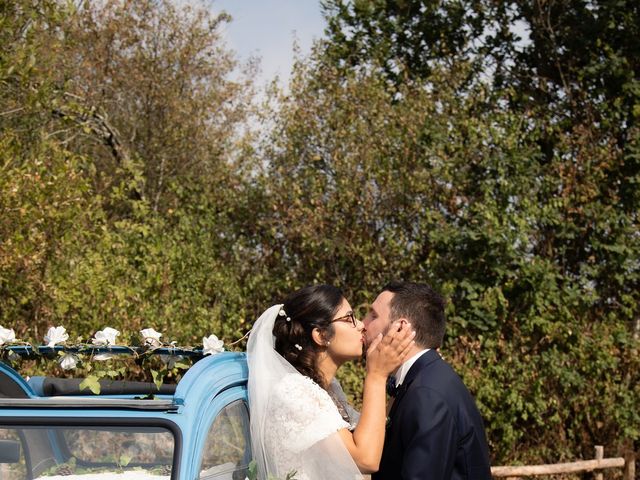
{"points": [[158, 377], [92, 383], [252, 471]]}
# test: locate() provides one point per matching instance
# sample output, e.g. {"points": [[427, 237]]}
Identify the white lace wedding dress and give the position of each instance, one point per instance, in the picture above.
{"points": [[294, 422], [300, 415]]}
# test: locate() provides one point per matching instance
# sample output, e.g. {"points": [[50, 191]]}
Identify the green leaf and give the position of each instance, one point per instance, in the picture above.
{"points": [[252, 471], [92, 383], [158, 377]]}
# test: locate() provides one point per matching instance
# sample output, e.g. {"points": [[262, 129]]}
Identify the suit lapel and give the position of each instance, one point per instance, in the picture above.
{"points": [[422, 362]]}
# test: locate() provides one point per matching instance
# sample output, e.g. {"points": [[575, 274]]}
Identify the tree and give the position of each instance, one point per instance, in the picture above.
{"points": [[151, 82], [121, 179], [406, 39], [37, 210], [549, 51]]}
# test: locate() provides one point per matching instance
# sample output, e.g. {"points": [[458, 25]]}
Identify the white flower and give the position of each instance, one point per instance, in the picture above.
{"points": [[68, 361], [211, 345], [7, 335], [56, 335], [151, 337], [105, 337]]}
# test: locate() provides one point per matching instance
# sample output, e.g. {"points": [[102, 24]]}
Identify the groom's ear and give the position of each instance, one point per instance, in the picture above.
{"points": [[317, 337], [400, 324]]}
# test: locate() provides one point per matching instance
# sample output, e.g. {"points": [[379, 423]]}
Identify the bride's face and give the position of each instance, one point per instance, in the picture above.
{"points": [[348, 340]]}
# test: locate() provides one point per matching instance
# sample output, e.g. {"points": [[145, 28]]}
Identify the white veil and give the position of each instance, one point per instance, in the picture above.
{"points": [[326, 458]]}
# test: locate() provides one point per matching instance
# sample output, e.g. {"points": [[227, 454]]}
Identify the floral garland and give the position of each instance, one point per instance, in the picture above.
{"points": [[104, 347]]}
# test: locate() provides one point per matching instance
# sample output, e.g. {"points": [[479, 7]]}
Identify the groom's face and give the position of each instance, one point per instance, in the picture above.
{"points": [[377, 319]]}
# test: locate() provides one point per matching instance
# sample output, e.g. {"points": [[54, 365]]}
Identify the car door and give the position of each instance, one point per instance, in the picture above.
{"points": [[225, 445]]}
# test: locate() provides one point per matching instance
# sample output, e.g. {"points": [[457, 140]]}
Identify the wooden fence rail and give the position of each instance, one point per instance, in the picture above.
{"points": [[599, 463]]}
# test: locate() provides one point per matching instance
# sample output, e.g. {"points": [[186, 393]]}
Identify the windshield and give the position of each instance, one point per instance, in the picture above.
{"points": [[85, 452]]}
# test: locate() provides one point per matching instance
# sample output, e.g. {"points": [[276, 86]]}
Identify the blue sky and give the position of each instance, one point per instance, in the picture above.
{"points": [[267, 29]]}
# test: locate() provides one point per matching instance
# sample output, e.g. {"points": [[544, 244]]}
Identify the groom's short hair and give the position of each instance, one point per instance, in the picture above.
{"points": [[423, 307]]}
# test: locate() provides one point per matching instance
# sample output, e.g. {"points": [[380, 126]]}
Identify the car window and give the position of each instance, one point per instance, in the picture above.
{"points": [[12, 461], [227, 450], [121, 446], [100, 451]]}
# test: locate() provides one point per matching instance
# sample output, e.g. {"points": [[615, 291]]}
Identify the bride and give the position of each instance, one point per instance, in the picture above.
{"points": [[300, 419]]}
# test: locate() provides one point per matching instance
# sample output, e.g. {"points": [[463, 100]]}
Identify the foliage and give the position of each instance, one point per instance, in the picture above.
{"points": [[106, 220], [561, 54], [150, 81], [400, 38]]}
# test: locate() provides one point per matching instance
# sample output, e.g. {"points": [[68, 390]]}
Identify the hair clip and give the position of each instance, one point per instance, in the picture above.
{"points": [[298, 346], [282, 313]]}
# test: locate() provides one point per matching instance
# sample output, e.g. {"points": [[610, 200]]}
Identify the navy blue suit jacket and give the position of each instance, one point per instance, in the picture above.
{"points": [[435, 431]]}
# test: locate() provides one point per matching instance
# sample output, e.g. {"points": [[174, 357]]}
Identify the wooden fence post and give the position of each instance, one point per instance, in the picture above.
{"points": [[599, 456], [526, 471], [630, 465]]}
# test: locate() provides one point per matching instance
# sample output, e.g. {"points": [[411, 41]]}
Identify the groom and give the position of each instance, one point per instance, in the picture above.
{"points": [[435, 431]]}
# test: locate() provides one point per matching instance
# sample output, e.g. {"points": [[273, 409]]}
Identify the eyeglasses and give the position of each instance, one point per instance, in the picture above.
{"points": [[349, 317]]}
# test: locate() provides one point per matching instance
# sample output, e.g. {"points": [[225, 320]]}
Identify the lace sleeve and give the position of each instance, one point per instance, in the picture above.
{"points": [[347, 412], [302, 414]]}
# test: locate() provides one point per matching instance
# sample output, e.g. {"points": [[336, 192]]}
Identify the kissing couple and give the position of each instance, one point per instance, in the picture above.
{"points": [[301, 421]]}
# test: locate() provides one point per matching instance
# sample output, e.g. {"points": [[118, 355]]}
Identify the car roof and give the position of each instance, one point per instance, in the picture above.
{"points": [[207, 376]]}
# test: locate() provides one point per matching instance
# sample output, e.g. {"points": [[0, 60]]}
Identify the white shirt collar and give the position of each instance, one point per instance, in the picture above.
{"points": [[406, 366]]}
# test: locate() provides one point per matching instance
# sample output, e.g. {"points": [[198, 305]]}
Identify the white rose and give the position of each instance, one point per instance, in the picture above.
{"points": [[68, 361], [7, 335], [211, 345], [151, 337], [56, 335], [105, 337]]}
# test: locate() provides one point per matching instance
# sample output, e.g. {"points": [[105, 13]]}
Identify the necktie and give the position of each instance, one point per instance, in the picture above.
{"points": [[391, 386]]}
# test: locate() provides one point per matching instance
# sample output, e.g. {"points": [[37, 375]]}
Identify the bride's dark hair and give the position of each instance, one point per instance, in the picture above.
{"points": [[305, 309]]}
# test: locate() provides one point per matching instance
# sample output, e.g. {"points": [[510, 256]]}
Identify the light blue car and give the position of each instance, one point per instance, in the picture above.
{"points": [[198, 429]]}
